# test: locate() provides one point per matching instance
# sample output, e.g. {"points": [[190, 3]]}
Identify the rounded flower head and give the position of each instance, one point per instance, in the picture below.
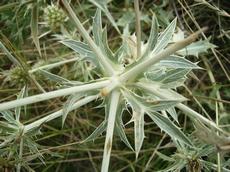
{"points": [[18, 76], [54, 16]]}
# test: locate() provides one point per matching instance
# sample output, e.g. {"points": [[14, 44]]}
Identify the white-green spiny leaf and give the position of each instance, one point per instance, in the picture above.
{"points": [[169, 127], [107, 50], [139, 132], [100, 35], [119, 129], [119, 126], [81, 48], [172, 112], [152, 37], [97, 27], [165, 37], [165, 157], [97, 132], [146, 104], [52, 77], [34, 27], [196, 48], [102, 5], [157, 87], [68, 105], [22, 94], [9, 117], [9, 55], [174, 61], [168, 78]]}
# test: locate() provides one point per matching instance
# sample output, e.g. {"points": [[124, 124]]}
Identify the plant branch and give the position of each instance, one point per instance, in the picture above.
{"points": [[114, 102], [142, 66], [53, 94], [58, 113], [138, 27], [53, 65], [103, 60]]}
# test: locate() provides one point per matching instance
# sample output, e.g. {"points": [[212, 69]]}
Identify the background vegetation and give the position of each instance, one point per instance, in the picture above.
{"points": [[30, 35]]}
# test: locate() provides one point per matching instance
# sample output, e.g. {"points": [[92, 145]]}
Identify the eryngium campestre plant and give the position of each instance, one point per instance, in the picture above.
{"points": [[139, 77]]}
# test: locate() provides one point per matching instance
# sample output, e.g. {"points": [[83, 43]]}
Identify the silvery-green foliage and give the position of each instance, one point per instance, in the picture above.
{"points": [[168, 74], [123, 79], [14, 140]]}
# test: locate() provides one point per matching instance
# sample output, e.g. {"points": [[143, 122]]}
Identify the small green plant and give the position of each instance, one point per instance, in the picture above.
{"points": [[140, 78]]}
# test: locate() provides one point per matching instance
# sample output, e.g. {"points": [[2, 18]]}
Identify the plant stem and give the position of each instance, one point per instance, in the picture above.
{"points": [[53, 94], [58, 113], [138, 27], [53, 65], [20, 154], [152, 59], [114, 102], [103, 60], [218, 153]]}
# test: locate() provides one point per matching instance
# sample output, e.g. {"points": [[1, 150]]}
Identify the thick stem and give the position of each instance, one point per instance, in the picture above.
{"points": [[141, 67], [58, 113], [103, 60], [138, 27], [114, 102], [53, 94]]}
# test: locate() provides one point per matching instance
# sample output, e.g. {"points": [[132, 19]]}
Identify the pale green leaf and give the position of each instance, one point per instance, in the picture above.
{"points": [[97, 27], [196, 47], [97, 132], [79, 47], [152, 37], [8, 116], [139, 132], [165, 37], [53, 77], [102, 4], [172, 112], [165, 92], [169, 78], [119, 129], [34, 27], [169, 127], [82, 49], [22, 94], [146, 104], [119, 126], [9, 55], [177, 62], [165, 157], [68, 105]]}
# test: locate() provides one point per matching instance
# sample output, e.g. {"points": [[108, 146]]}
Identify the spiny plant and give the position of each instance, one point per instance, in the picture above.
{"points": [[139, 77]]}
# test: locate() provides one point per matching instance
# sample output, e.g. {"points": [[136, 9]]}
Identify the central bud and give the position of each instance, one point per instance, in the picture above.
{"points": [[115, 83]]}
